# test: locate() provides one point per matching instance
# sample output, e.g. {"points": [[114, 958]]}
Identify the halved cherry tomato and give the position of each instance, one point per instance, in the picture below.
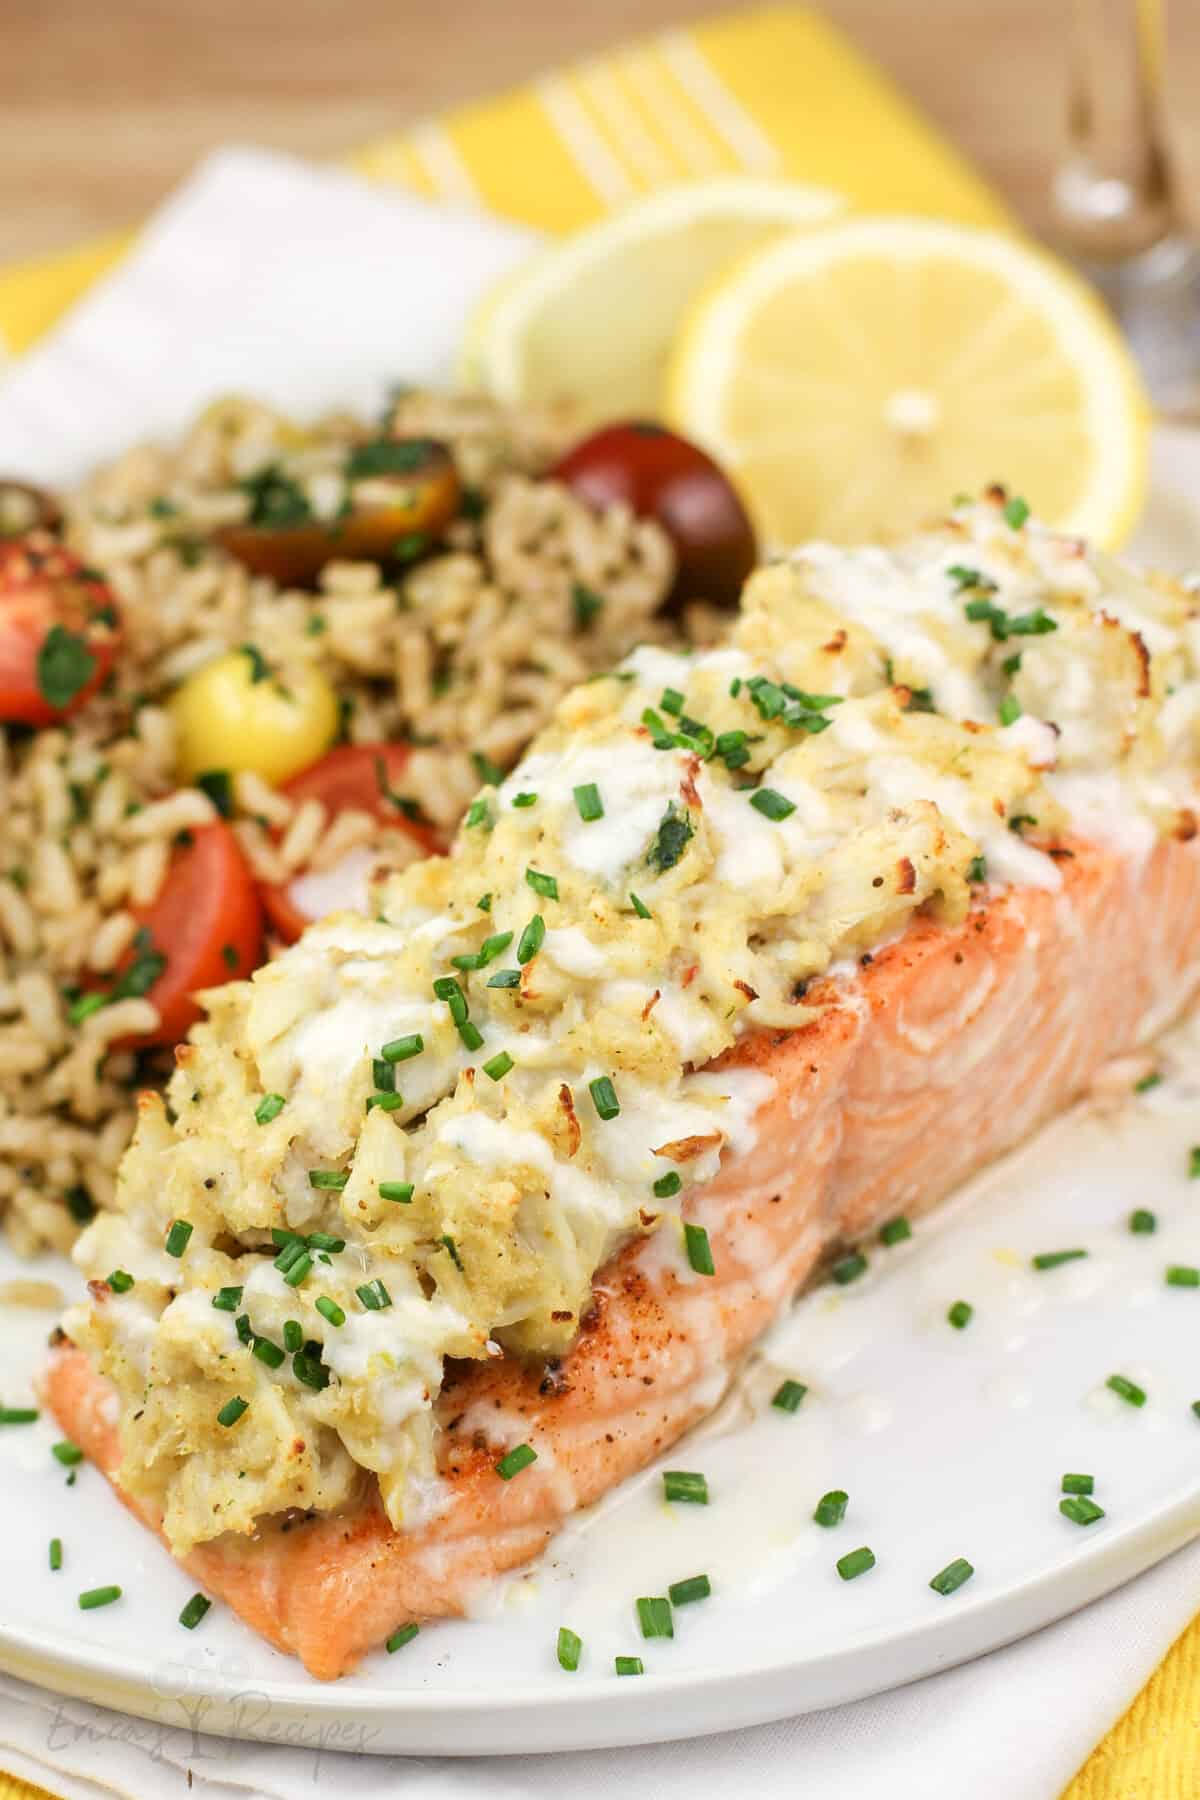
{"points": [[664, 477], [59, 630], [205, 928], [358, 778], [401, 498]]}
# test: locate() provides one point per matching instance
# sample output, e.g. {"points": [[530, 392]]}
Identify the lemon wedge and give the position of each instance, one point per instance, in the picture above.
{"points": [[592, 319], [854, 377]]}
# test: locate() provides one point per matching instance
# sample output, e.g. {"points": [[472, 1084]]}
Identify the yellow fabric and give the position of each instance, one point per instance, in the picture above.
{"points": [[771, 91]]}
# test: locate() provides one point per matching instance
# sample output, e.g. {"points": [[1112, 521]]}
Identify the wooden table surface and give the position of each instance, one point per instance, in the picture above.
{"points": [[104, 104]]}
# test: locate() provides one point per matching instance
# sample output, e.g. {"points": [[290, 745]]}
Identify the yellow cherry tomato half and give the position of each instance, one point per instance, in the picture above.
{"points": [[241, 714]]}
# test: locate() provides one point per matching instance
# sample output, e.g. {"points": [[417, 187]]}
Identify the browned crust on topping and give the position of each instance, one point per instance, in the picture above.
{"points": [[687, 1149], [566, 1101], [837, 642], [1186, 826], [906, 876], [687, 785], [743, 987], [651, 1003]]}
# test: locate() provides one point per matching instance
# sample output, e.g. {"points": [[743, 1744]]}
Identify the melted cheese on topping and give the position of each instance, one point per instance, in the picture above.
{"points": [[886, 730]]}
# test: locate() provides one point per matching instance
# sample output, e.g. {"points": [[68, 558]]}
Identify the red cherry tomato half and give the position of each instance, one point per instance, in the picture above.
{"points": [[352, 778], [206, 926], [664, 477], [59, 630]]}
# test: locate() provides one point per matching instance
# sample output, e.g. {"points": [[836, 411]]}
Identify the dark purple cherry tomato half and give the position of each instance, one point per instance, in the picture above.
{"points": [[664, 477]]}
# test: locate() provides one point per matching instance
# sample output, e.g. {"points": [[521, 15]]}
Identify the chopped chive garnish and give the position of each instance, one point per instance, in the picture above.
{"points": [[1079, 1509], [521, 801], [628, 1665], [683, 1593], [291, 1253], [960, 1314], [639, 907], [447, 989], [1194, 1163], [329, 1309], [772, 805], [56, 1557], [588, 803], [486, 769], [654, 1617], [855, 1562], [268, 1108], [177, 1237], [18, 1415], [668, 1184], [516, 1459], [895, 1231], [400, 1191], [470, 1034], [977, 869], [385, 1102], [484, 903], [545, 885], [232, 1411], [293, 1336], [672, 701], [120, 1281], [1183, 1275], [1147, 1082], [298, 1269], [569, 1649], [374, 1295], [952, 1576], [788, 1396], [1009, 710], [497, 1066], [506, 978], [1196, 1408], [310, 1370], [487, 952], [398, 1639], [101, 1596], [1142, 1222], [831, 1507], [1128, 1390], [1016, 512], [849, 1268], [194, 1611], [604, 1097], [451, 1248], [531, 939], [477, 813], [1054, 1259], [383, 1074], [699, 1250], [244, 1331], [267, 1352], [333, 1180], [321, 1240], [67, 1453], [1079, 1484], [685, 1485]]}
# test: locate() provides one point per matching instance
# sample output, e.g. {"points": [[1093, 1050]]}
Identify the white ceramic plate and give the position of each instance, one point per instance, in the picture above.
{"points": [[949, 1443]]}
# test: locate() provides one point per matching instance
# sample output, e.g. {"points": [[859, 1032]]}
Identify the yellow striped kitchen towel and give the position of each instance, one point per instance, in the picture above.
{"points": [[770, 91], [773, 91]]}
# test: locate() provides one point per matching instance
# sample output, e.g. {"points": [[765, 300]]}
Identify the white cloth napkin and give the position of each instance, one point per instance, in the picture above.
{"points": [[311, 288], [305, 287]]}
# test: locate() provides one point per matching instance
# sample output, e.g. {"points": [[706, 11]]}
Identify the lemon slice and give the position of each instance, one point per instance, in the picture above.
{"points": [[592, 319], [855, 377]]}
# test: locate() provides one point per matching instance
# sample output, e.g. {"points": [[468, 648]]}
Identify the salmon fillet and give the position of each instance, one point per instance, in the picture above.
{"points": [[949, 1047]]}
